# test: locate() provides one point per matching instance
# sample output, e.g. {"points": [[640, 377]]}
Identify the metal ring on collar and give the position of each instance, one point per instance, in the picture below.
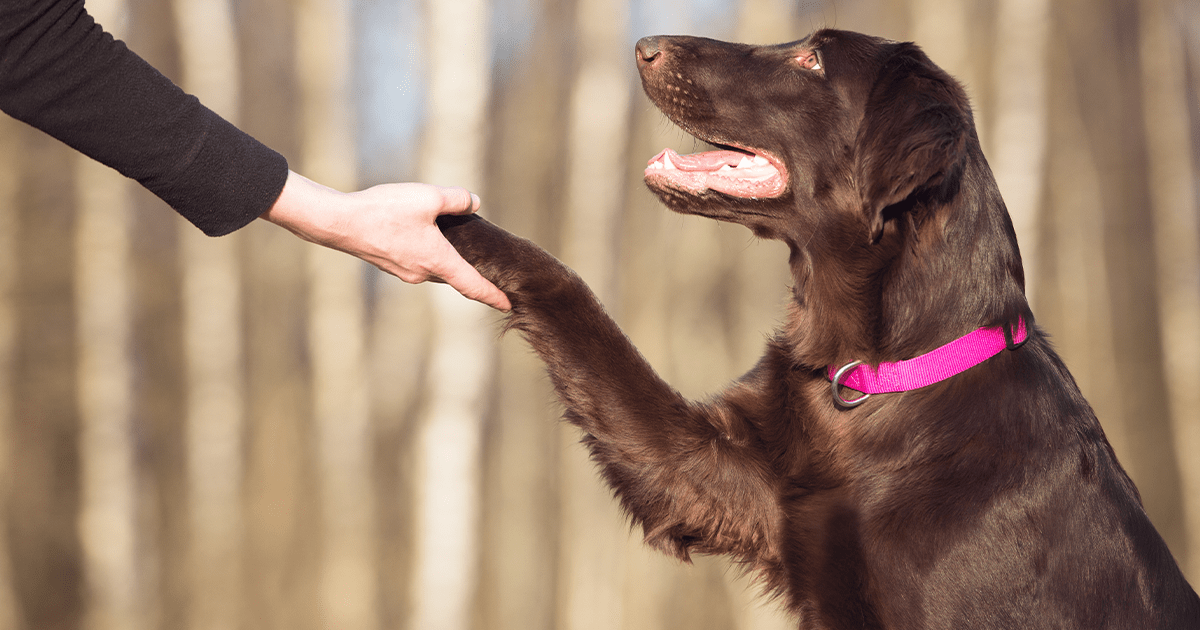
{"points": [[836, 385]]}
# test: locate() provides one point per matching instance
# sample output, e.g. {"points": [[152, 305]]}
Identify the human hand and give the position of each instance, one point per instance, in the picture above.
{"points": [[391, 226]]}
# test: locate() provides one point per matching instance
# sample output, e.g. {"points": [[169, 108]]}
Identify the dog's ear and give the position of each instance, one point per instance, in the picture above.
{"points": [[913, 135]]}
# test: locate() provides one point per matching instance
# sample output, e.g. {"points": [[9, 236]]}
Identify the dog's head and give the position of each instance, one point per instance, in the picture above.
{"points": [[833, 122], [855, 150]]}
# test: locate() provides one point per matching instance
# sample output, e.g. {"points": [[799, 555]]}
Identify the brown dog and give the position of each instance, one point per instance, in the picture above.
{"points": [[976, 489]]}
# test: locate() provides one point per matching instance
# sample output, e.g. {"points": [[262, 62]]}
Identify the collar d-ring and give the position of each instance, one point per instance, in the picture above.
{"points": [[836, 385]]}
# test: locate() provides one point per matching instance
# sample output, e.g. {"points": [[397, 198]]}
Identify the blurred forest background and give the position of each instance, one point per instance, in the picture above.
{"points": [[253, 432]]}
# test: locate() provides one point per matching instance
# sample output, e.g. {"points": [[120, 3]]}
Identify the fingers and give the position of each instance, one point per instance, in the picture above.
{"points": [[455, 271], [459, 274], [400, 236]]}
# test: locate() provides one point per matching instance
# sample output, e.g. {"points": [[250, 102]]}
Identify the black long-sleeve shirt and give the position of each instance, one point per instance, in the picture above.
{"points": [[61, 73]]}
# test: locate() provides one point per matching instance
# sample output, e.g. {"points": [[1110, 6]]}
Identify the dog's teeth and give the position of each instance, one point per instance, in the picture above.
{"points": [[666, 163], [725, 168], [744, 163], [656, 165], [759, 160]]}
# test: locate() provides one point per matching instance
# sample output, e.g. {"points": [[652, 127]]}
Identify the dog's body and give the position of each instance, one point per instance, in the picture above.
{"points": [[988, 500]]}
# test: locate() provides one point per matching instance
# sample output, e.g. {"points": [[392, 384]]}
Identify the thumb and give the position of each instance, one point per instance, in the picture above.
{"points": [[456, 200]]}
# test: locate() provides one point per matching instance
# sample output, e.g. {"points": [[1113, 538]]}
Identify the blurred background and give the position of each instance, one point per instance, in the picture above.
{"points": [[253, 432]]}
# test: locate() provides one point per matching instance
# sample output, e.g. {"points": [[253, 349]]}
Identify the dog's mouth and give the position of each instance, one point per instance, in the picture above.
{"points": [[733, 171]]}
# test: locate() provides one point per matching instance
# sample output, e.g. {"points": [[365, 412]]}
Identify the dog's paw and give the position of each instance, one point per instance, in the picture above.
{"points": [[510, 262]]}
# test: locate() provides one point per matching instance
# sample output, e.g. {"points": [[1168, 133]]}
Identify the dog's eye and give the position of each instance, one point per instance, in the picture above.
{"points": [[808, 60]]}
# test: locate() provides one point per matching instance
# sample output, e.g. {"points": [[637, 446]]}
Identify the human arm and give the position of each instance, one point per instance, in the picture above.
{"points": [[61, 73]]}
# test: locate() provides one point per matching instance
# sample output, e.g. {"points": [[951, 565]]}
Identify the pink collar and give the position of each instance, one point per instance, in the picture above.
{"points": [[949, 360]]}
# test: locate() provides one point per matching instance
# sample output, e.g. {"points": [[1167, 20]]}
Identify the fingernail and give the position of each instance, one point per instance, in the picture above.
{"points": [[475, 200]]}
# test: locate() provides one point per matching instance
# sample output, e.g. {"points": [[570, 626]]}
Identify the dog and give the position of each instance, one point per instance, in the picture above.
{"points": [[909, 452]]}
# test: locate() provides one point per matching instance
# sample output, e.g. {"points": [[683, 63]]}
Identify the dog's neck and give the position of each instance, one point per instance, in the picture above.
{"points": [[946, 264]]}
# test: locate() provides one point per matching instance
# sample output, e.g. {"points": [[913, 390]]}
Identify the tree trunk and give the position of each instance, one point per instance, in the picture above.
{"points": [[1176, 246], [522, 565], [108, 526], [337, 330], [449, 441], [10, 612], [1018, 131], [282, 542], [594, 554], [213, 340], [43, 508], [1097, 38]]}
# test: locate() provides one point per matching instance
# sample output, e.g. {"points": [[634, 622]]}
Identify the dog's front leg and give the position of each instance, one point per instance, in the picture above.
{"points": [[681, 469]]}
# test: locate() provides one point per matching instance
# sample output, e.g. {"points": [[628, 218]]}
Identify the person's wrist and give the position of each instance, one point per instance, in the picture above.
{"points": [[301, 210]]}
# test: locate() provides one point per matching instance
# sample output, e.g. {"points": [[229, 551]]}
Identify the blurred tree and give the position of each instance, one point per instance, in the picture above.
{"points": [[108, 522], [211, 290], [593, 556], [43, 507], [522, 568], [10, 613], [1176, 217], [348, 596], [1017, 126], [283, 522], [1108, 83], [449, 442]]}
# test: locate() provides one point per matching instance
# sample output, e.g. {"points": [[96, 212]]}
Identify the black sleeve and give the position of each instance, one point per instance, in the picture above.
{"points": [[60, 72]]}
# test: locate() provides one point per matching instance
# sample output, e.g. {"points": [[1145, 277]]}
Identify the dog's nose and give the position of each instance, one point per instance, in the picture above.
{"points": [[648, 50]]}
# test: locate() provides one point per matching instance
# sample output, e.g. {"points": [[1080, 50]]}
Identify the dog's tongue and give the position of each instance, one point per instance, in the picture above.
{"points": [[730, 172]]}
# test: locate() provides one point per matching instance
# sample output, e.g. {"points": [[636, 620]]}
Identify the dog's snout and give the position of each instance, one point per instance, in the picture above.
{"points": [[648, 49]]}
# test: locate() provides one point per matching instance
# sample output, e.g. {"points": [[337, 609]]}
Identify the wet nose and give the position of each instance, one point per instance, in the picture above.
{"points": [[648, 49]]}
